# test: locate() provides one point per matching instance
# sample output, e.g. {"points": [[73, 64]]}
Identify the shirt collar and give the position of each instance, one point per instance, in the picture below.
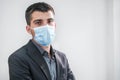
{"points": [[42, 51]]}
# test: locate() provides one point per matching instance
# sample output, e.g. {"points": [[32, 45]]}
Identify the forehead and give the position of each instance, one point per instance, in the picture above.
{"points": [[41, 15]]}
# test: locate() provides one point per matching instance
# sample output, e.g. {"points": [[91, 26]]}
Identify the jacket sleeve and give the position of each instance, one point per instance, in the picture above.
{"points": [[70, 75], [18, 69]]}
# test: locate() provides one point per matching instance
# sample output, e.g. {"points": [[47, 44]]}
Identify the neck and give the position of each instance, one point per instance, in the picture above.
{"points": [[46, 48]]}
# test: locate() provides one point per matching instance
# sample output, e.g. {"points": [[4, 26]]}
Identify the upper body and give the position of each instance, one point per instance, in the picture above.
{"points": [[37, 60], [27, 63]]}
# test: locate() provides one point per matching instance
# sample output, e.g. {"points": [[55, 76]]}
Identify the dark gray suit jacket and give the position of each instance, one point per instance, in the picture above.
{"points": [[28, 64]]}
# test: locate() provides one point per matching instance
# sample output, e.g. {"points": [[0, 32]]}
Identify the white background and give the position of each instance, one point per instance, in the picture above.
{"points": [[88, 32]]}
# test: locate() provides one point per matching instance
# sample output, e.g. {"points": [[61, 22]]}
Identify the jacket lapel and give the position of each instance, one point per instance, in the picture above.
{"points": [[34, 53], [57, 65]]}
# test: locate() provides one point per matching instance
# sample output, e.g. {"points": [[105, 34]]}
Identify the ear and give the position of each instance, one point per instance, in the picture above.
{"points": [[28, 29]]}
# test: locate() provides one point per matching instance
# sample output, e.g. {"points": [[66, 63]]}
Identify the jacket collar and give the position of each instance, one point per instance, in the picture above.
{"points": [[42, 51], [34, 53], [58, 65]]}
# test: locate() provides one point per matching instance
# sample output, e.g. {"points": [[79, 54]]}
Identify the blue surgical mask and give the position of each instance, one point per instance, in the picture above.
{"points": [[44, 35]]}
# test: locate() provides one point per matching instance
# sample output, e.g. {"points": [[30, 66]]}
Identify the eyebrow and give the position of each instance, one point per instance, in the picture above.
{"points": [[42, 20], [51, 19], [37, 20]]}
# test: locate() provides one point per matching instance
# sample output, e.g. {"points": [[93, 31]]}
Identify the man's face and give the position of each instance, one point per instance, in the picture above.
{"points": [[39, 19]]}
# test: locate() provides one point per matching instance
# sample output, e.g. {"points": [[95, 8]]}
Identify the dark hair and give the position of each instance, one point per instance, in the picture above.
{"points": [[40, 6]]}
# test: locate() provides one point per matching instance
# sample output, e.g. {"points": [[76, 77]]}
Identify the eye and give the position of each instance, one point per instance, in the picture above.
{"points": [[50, 21], [37, 22]]}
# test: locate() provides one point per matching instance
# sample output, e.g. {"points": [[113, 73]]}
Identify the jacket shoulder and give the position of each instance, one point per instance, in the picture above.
{"points": [[21, 51], [60, 53], [18, 55]]}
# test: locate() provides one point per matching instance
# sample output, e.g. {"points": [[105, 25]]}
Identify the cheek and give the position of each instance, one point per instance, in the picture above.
{"points": [[32, 32], [53, 24]]}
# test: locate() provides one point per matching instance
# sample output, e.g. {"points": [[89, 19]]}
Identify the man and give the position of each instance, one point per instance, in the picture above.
{"points": [[37, 60]]}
